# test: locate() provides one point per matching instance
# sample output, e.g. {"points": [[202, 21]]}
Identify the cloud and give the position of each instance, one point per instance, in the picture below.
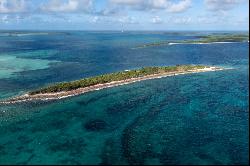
{"points": [[127, 2], [70, 6], [128, 20], [216, 19], [112, 7], [94, 19], [156, 20], [153, 5], [179, 7], [158, 4], [11, 18], [13, 6], [141, 4], [4, 19], [180, 20], [222, 5], [108, 11], [122, 20]]}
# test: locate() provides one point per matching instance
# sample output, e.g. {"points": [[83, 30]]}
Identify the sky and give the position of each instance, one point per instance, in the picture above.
{"points": [[124, 15]]}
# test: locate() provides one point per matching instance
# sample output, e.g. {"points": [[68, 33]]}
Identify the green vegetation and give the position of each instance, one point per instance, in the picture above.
{"points": [[203, 39], [152, 44], [106, 78], [221, 38]]}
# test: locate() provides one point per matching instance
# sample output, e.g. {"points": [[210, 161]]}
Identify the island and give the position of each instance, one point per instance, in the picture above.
{"points": [[221, 38], [28, 33], [73, 88], [205, 39]]}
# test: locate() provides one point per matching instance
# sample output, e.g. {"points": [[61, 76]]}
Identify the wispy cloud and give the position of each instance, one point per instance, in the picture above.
{"points": [[68, 6], [128, 20], [4, 19], [131, 13], [153, 5], [179, 7], [179, 20], [94, 19], [156, 20], [222, 5], [13, 6]]}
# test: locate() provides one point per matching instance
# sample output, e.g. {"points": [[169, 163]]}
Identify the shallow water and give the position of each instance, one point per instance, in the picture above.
{"points": [[198, 118]]}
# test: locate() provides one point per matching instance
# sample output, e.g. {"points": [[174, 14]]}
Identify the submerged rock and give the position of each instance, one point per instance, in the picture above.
{"points": [[95, 125]]}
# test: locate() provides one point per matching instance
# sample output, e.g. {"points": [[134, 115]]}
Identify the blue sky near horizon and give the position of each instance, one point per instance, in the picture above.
{"points": [[124, 14]]}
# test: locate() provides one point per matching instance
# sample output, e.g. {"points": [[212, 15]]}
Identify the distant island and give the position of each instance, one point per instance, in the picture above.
{"points": [[27, 33], [225, 38], [73, 88]]}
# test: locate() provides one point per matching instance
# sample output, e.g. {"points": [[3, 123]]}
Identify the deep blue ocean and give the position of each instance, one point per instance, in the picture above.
{"points": [[186, 119]]}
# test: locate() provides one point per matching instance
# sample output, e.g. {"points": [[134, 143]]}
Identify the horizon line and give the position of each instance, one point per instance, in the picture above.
{"points": [[150, 30]]}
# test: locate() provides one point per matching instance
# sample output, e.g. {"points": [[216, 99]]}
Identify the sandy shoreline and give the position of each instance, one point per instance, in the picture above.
{"points": [[66, 94], [202, 43], [194, 43]]}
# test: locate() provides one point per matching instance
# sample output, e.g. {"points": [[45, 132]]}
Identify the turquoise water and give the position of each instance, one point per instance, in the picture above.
{"points": [[187, 119]]}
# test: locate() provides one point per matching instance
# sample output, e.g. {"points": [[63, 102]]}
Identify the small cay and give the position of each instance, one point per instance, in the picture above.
{"points": [[207, 39], [73, 88]]}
